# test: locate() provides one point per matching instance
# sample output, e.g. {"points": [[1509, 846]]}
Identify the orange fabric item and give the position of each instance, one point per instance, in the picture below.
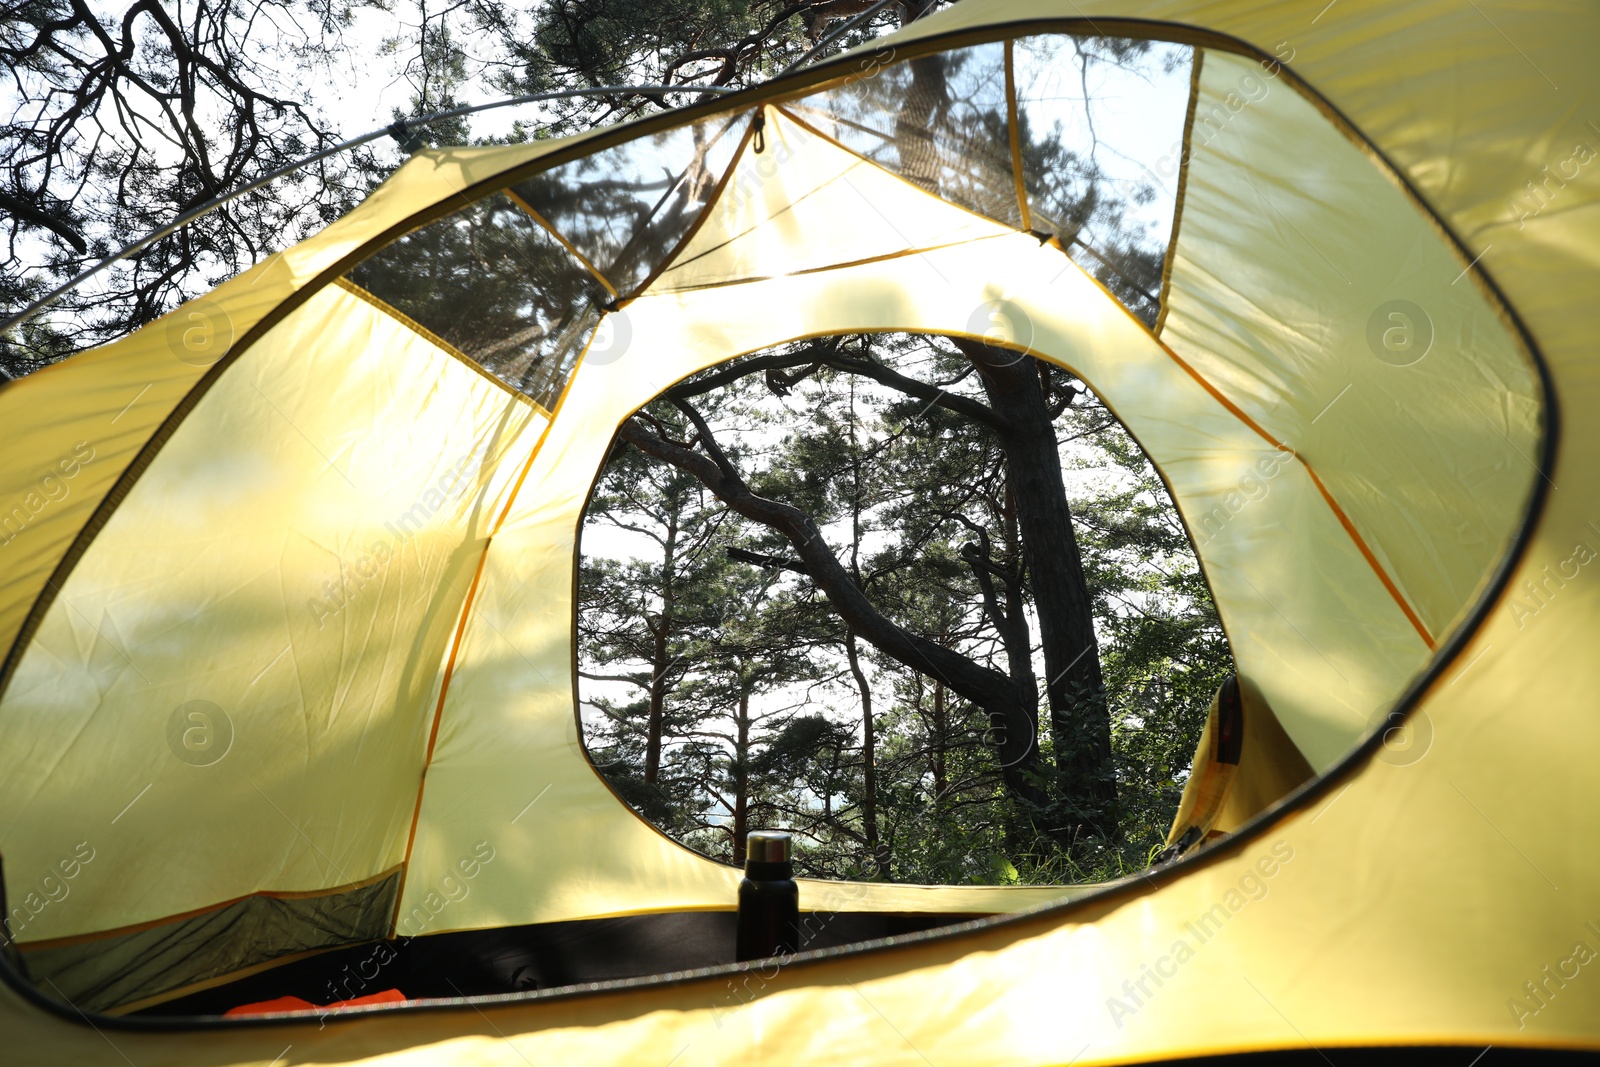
{"points": [[264, 1007]]}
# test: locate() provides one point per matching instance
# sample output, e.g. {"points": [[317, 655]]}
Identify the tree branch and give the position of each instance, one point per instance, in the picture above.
{"points": [[761, 559], [26, 212], [829, 354], [984, 686], [960, 405]]}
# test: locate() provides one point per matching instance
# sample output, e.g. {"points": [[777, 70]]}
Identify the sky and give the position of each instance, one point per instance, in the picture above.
{"points": [[1138, 118]]}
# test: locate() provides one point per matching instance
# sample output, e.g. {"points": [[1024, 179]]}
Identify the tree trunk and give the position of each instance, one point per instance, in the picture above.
{"points": [[1080, 723], [869, 740], [741, 780], [660, 632], [869, 764], [1016, 606]]}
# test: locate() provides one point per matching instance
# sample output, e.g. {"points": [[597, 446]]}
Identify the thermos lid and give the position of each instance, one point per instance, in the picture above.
{"points": [[766, 846]]}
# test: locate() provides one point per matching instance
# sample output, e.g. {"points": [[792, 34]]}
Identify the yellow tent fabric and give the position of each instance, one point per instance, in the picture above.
{"points": [[1438, 894], [1243, 764], [292, 565]]}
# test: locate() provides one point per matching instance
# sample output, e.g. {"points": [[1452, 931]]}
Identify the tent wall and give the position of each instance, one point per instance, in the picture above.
{"points": [[115, 399], [802, 238], [1307, 287], [233, 691]]}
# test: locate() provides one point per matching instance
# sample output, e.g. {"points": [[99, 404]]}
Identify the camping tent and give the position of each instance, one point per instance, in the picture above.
{"points": [[288, 586]]}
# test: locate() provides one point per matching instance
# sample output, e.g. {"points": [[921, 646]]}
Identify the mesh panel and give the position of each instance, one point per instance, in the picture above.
{"points": [[516, 281], [625, 208], [938, 121], [1106, 187], [103, 973], [496, 285]]}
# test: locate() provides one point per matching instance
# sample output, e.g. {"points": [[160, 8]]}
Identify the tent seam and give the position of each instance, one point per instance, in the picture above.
{"points": [[1183, 189], [1333, 504], [902, 179], [756, 279], [343, 282], [747, 231], [516, 198], [669, 260], [461, 629], [433, 730]]}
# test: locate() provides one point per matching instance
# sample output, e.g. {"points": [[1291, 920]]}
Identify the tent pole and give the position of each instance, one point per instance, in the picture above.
{"points": [[834, 36], [400, 131]]}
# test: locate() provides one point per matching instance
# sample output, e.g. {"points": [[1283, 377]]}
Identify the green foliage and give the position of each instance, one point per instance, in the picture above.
{"points": [[614, 42]]}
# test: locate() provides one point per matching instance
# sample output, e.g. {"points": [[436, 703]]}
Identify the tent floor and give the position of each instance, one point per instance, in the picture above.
{"points": [[514, 959], [552, 955]]}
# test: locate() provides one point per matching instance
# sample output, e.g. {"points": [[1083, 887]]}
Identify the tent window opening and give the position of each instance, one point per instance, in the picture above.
{"points": [[920, 601], [493, 286]]}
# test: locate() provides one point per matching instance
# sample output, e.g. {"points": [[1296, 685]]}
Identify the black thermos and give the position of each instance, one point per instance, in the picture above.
{"points": [[769, 901]]}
